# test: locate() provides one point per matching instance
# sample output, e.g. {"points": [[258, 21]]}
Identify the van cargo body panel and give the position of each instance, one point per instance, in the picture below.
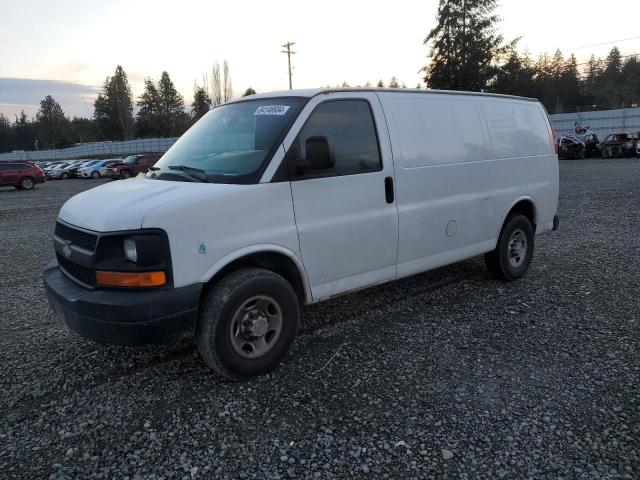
{"points": [[465, 160]]}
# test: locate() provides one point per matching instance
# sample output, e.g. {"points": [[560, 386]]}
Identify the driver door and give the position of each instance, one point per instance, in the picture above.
{"points": [[345, 209]]}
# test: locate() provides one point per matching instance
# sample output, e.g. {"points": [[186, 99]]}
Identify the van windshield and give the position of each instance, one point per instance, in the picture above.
{"points": [[230, 144]]}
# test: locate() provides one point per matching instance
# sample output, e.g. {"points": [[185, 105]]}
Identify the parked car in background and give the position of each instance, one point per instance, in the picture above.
{"points": [[59, 172], [77, 165], [134, 164], [636, 140], [618, 145], [107, 170], [588, 138], [591, 145], [570, 147], [22, 175], [92, 169]]}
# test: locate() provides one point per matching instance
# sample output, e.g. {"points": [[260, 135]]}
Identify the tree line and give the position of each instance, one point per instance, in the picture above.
{"points": [[160, 112], [467, 52]]}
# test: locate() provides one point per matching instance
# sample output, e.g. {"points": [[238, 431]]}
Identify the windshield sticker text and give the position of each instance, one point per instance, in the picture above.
{"points": [[271, 110]]}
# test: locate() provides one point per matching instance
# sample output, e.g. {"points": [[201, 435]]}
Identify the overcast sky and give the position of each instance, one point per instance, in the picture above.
{"points": [[67, 47]]}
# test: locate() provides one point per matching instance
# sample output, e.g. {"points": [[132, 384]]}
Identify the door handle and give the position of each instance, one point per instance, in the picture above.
{"points": [[388, 189]]}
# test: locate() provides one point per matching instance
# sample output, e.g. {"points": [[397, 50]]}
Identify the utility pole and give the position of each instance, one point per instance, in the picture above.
{"points": [[289, 53]]}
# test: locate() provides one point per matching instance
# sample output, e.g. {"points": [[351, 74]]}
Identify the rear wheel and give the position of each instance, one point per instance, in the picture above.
{"points": [[125, 174], [95, 175], [512, 256], [247, 322], [65, 176], [27, 183]]}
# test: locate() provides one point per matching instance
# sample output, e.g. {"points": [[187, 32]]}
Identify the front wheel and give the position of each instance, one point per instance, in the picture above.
{"points": [[65, 176], [512, 256], [247, 323], [125, 174], [95, 175]]}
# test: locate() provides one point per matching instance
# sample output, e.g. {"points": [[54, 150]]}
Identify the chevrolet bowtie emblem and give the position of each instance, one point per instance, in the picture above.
{"points": [[66, 250]]}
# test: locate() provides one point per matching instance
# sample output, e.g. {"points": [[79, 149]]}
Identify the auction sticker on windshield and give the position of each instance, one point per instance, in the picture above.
{"points": [[271, 110]]}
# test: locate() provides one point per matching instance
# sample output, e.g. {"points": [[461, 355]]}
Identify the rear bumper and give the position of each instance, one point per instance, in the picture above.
{"points": [[123, 317]]}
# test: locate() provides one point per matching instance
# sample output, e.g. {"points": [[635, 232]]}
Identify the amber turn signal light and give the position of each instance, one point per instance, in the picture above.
{"points": [[131, 279]]}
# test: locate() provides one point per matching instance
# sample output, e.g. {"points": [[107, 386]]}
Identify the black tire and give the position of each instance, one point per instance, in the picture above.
{"points": [[125, 174], [95, 175], [27, 183], [503, 263], [219, 307], [65, 176]]}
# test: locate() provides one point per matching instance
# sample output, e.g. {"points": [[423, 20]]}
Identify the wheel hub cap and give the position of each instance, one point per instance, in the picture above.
{"points": [[256, 326], [517, 248]]}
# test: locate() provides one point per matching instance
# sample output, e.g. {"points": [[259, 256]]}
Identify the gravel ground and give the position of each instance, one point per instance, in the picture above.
{"points": [[448, 374]]}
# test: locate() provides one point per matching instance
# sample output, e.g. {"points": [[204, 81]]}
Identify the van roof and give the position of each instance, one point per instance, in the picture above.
{"points": [[312, 92]]}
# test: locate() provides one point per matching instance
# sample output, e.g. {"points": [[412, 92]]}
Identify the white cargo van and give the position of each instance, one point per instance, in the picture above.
{"points": [[275, 201]]}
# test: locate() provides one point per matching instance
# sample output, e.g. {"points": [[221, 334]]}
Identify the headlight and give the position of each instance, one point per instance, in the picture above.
{"points": [[130, 250]]}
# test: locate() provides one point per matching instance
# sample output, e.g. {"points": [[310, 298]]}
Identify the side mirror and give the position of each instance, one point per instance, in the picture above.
{"points": [[319, 156]]}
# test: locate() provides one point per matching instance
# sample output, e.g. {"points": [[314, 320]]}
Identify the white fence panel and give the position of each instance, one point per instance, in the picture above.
{"points": [[602, 122], [144, 145]]}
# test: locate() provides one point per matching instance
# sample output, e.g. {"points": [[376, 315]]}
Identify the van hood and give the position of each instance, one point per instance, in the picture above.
{"points": [[123, 204]]}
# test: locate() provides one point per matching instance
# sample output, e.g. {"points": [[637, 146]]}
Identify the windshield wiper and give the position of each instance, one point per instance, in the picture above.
{"points": [[192, 172]]}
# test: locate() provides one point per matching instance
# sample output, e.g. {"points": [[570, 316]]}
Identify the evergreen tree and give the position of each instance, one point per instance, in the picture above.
{"points": [[631, 81], [149, 114], [515, 76], [570, 84], [113, 109], [201, 103], [82, 130], [611, 85], [463, 45], [23, 133], [393, 83], [380, 84], [173, 119], [51, 124], [5, 134], [249, 91]]}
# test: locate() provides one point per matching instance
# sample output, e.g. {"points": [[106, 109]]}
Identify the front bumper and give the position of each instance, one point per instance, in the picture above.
{"points": [[123, 317]]}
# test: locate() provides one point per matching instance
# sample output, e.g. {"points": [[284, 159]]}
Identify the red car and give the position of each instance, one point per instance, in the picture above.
{"points": [[22, 175], [133, 165]]}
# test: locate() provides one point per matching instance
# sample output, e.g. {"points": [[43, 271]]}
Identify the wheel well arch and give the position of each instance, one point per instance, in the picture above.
{"points": [[275, 261], [523, 206]]}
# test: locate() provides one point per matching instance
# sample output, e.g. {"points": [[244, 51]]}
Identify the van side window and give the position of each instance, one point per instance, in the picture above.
{"points": [[351, 134]]}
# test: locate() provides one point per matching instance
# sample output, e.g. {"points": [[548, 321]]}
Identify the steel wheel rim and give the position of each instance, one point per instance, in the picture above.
{"points": [[27, 183], [517, 248], [256, 326]]}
